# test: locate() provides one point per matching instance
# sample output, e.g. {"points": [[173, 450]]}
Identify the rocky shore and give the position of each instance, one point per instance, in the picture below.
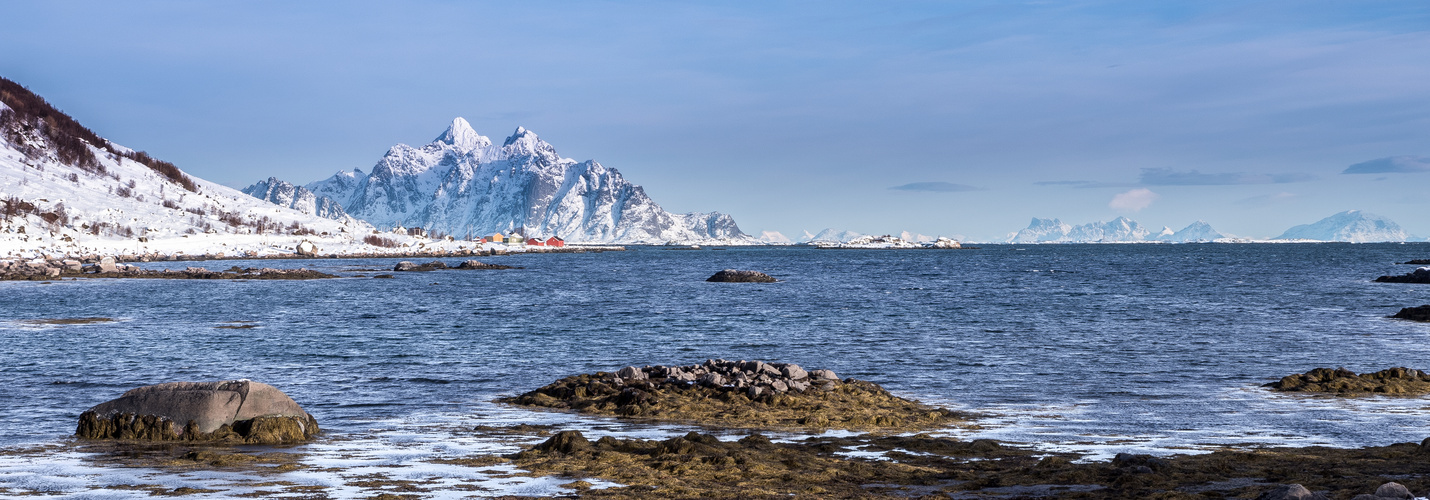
{"points": [[1420, 313], [1340, 381], [739, 394], [108, 268]]}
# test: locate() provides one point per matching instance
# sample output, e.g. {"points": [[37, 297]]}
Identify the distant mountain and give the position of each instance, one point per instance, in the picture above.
{"points": [[1120, 229], [1194, 232], [297, 198], [1352, 225], [774, 238], [463, 184], [829, 235], [65, 190]]}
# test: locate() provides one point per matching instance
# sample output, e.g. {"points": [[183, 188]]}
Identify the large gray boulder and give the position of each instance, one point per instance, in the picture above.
{"points": [[240, 411]]}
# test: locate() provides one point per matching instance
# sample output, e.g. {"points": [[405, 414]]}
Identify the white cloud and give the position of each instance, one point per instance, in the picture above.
{"points": [[1134, 200]]}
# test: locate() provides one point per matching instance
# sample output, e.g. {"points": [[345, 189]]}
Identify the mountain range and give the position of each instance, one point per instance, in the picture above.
{"points": [[1350, 226], [464, 184]]}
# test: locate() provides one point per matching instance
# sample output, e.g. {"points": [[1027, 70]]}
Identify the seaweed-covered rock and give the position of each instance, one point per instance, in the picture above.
{"points": [[1393, 381], [738, 394], [1421, 313], [233, 411], [739, 276], [477, 265], [1421, 275]]}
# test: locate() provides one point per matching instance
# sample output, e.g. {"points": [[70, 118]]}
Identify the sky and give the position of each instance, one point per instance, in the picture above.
{"points": [[961, 119]]}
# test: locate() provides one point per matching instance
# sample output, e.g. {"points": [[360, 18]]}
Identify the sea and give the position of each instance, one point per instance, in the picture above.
{"points": [[1097, 349]]}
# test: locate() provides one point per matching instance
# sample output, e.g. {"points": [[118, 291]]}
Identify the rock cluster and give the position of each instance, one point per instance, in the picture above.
{"points": [[107, 267], [1395, 381], [437, 264], [1421, 313], [737, 394], [1421, 275], [1418, 262], [756, 378], [232, 411], [1386, 491], [739, 276]]}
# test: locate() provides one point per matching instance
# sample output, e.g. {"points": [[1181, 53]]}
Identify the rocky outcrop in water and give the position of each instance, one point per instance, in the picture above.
{"points": [[1394, 381], [739, 276], [1421, 313], [1421, 275], [107, 268], [738, 394], [467, 265], [232, 411]]}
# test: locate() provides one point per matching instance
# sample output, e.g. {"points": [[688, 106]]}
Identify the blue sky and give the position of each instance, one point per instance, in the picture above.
{"points": [[944, 118]]}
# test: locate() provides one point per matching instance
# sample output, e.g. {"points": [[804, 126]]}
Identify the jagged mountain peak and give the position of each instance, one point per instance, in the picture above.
{"points": [[461, 136], [522, 185]]}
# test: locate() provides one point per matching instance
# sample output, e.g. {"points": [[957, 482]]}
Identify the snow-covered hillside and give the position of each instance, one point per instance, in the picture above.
{"points": [[464, 184], [1352, 225], [66, 191]]}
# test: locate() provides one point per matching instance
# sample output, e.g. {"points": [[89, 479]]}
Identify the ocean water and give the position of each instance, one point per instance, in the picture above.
{"points": [[1097, 348]]}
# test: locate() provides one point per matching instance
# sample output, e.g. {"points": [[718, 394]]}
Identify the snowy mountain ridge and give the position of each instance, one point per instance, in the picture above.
{"points": [[1353, 226], [463, 184]]}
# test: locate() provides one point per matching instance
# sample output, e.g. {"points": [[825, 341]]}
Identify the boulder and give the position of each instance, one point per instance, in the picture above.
{"points": [[232, 411], [1291, 492], [407, 266], [631, 373], [739, 276], [823, 375], [794, 372], [106, 265], [307, 249], [1393, 490], [471, 264]]}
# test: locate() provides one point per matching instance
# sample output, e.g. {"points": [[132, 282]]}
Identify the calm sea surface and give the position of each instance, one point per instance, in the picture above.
{"points": [[1137, 347]]}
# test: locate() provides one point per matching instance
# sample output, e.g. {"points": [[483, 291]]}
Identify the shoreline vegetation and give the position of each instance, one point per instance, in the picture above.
{"points": [[888, 457]]}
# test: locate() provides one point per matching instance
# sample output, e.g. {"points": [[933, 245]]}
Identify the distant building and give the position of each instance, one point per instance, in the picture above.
{"points": [[555, 241], [535, 242], [496, 238]]}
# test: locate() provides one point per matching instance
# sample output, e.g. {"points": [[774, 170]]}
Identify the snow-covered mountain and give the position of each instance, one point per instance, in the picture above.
{"points": [[464, 184], [829, 235], [1352, 225], [1120, 229], [774, 238], [66, 191], [297, 198], [1194, 232]]}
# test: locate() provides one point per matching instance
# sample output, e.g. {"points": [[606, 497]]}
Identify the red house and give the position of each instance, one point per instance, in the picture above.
{"points": [[534, 241], [555, 241]]}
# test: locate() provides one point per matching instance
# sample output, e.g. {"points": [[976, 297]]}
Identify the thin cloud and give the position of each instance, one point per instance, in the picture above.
{"points": [[1134, 200], [1169, 177], [1391, 165], [935, 187], [1061, 183]]}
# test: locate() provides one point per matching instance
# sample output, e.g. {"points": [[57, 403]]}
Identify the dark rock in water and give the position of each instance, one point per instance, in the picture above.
{"points": [[739, 276], [383, 276], [233, 411], [1418, 262], [472, 264], [1421, 313], [1421, 275], [436, 264], [408, 265], [1393, 381]]}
